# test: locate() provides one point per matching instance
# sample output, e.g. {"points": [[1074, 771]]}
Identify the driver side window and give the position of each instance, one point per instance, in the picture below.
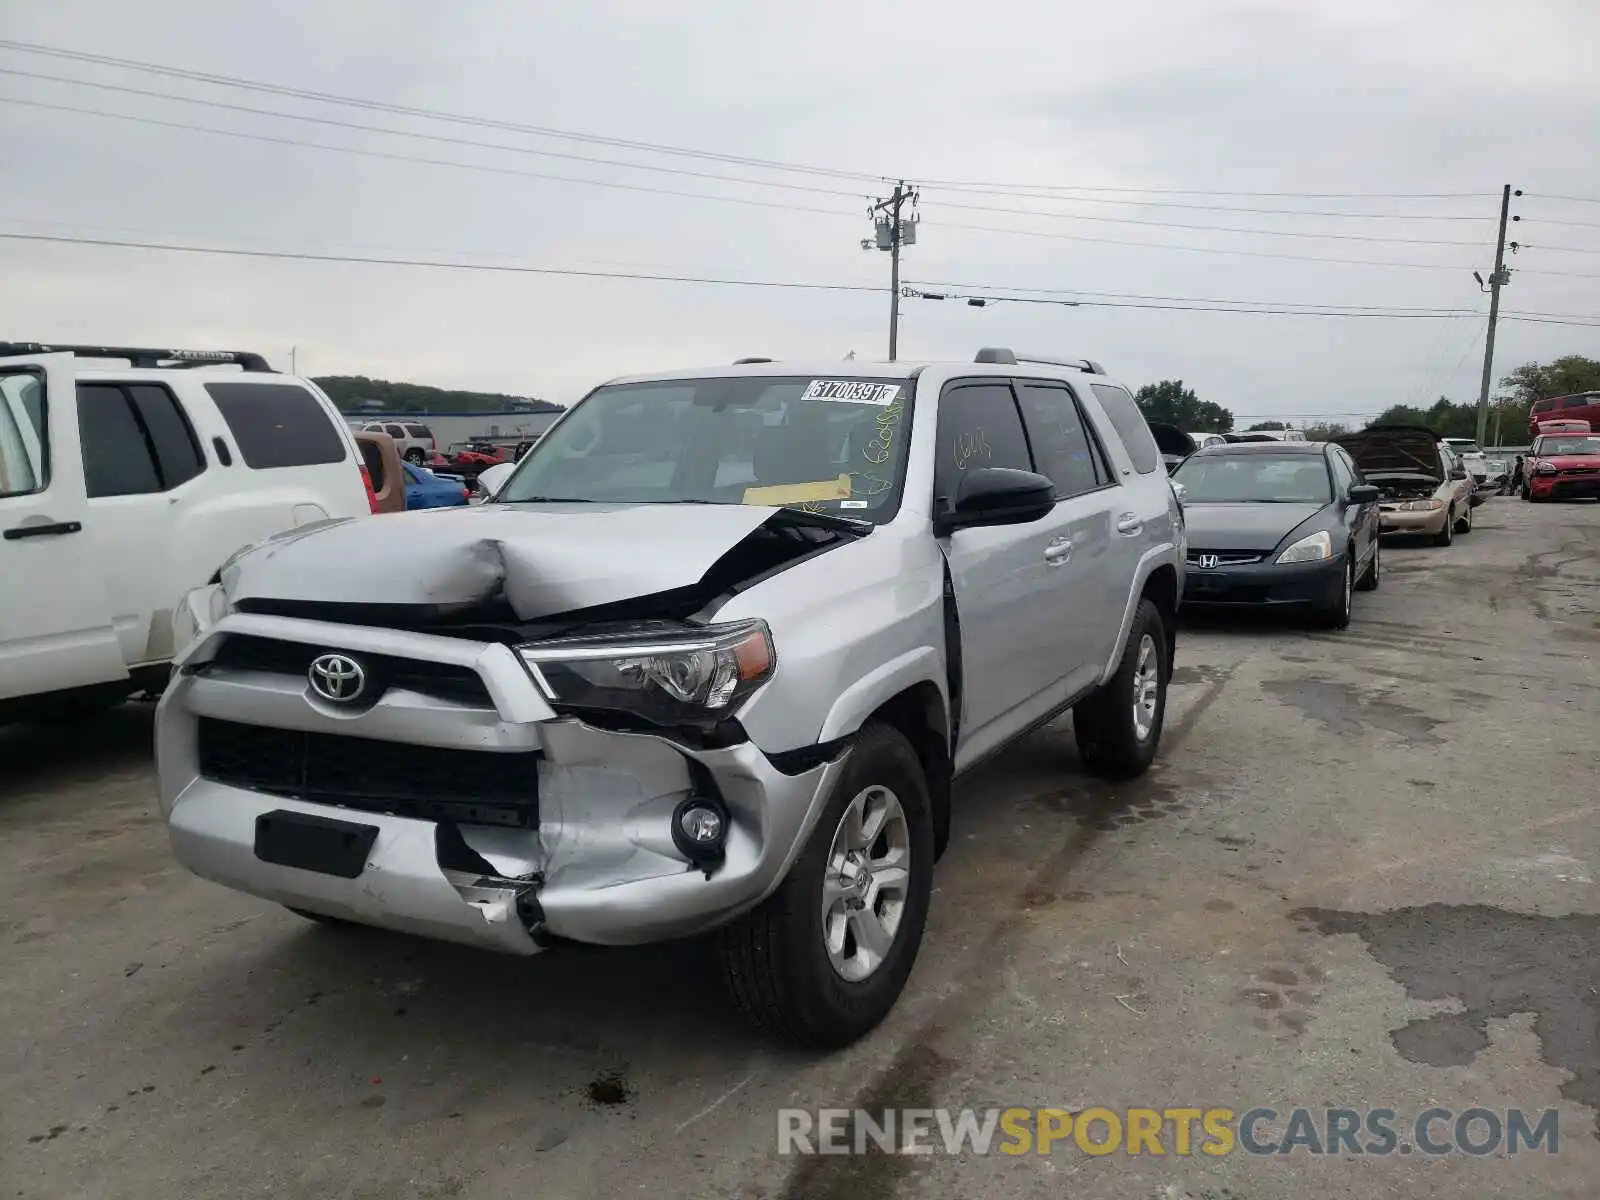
{"points": [[979, 426]]}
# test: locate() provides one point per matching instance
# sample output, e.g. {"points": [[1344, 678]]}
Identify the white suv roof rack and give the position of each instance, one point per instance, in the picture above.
{"points": [[1009, 357], [143, 356]]}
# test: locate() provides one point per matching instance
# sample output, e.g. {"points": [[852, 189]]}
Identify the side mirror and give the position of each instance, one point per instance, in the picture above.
{"points": [[997, 496], [491, 479], [1182, 493], [1364, 493], [1458, 473]]}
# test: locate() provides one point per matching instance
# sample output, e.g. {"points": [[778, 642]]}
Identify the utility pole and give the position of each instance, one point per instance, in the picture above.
{"points": [[892, 232], [1497, 280], [292, 369]]}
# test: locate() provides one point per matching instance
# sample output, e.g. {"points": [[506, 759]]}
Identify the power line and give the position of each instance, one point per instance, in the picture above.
{"points": [[982, 301], [309, 256], [1076, 237], [1568, 199], [978, 185], [1344, 237], [1195, 299], [425, 113], [431, 137], [413, 158]]}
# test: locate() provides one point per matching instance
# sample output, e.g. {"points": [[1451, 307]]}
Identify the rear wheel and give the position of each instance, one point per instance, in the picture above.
{"points": [[824, 958], [1118, 727], [1373, 575]]}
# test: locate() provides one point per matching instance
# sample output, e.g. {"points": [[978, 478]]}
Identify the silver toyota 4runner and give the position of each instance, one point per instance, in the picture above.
{"points": [[708, 661]]}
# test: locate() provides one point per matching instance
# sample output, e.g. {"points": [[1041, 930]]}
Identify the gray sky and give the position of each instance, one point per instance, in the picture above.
{"points": [[1316, 96]]}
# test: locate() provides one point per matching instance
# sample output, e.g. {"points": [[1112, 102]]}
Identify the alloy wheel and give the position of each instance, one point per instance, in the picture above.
{"points": [[866, 883]]}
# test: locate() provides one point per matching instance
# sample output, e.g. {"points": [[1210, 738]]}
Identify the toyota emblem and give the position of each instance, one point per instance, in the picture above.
{"points": [[337, 677], [1208, 562]]}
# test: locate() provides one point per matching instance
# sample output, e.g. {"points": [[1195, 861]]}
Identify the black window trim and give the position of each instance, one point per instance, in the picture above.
{"points": [[46, 463], [1096, 449], [951, 385]]}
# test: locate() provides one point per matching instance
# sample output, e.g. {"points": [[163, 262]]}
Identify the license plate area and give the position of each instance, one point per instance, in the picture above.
{"points": [[311, 843]]}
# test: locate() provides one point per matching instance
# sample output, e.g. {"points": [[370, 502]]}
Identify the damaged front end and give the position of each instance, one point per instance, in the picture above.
{"points": [[505, 775]]}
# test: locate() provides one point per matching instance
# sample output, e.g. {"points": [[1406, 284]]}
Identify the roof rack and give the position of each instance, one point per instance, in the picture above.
{"points": [[144, 356], [740, 362], [1008, 357]]}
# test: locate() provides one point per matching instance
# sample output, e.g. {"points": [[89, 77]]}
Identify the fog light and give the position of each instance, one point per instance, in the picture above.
{"points": [[699, 829]]}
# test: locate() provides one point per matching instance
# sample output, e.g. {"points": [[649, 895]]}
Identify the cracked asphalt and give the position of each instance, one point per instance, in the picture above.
{"points": [[1364, 874]]}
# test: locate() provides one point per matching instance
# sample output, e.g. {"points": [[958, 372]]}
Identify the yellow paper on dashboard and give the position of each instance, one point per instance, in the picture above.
{"points": [[800, 493]]}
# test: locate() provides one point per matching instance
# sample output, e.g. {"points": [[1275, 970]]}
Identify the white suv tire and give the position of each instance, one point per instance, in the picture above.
{"points": [[1118, 726]]}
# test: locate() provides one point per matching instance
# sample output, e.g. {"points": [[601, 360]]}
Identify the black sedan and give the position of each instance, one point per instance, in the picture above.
{"points": [[1279, 524]]}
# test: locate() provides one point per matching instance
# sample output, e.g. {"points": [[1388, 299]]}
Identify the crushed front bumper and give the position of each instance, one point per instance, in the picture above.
{"points": [[596, 863]]}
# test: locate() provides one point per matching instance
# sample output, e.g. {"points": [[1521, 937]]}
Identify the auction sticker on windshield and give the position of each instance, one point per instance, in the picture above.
{"points": [[852, 391]]}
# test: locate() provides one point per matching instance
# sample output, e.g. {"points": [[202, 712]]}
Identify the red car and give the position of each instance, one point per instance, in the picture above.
{"points": [[1583, 406], [1562, 466]]}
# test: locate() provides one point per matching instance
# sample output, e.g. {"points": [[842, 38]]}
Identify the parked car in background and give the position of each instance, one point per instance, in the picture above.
{"points": [[129, 476], [1202, 440], [469, 459], [1174, 444], [1562, 466], [1424, 489], [1583, 406], [424, 489], [1279, 525], [415, 442], [739, 631]]}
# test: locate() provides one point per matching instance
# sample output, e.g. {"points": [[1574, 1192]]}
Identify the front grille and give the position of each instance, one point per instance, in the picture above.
{"points": [[1579, 470], [1225, 558], [477, 787], [273, 656]]}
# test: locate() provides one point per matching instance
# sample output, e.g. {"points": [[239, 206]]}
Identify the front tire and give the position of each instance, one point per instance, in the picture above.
{"points": [[1373, 575], [824, 958], [1464, 525], [1447, 535], [414, 456], [1118, 727], [1338, 616]]}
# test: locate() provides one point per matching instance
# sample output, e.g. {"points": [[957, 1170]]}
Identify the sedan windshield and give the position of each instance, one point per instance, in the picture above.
{"points": [[825, 445], [1254, 479], [1569, 445]]}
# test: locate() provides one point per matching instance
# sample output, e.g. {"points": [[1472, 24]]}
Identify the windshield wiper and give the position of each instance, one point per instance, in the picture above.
{"points": [[550, 500], [822, 520]]}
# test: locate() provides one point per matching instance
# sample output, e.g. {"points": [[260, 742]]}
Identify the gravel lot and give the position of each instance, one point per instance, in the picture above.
{"points": [[1364, 873]]}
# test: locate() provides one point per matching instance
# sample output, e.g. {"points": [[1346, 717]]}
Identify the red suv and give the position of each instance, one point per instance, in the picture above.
{"points": [[1584, 406]]}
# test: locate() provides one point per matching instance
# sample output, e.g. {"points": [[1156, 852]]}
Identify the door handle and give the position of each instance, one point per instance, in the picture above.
{"points": [[1058, 551], [1129, 524], [44, 529]]}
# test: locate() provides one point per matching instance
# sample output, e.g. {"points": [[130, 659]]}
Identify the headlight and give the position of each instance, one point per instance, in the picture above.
{"points": [[1422, 506], [1316, 548], [1545, 468], [662, 676]]}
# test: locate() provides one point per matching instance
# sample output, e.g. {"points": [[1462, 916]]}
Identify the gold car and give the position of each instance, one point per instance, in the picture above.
{"points": [[1425, 488]]}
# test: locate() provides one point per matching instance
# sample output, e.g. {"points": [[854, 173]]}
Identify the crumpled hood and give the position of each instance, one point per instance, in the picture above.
{"points": [[1243, 526], [542, 559]]}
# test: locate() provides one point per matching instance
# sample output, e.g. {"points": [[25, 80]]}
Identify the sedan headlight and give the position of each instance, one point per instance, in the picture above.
{"points": [[1421, 506], [1544, 468], [660, 676], [1315, 548]]}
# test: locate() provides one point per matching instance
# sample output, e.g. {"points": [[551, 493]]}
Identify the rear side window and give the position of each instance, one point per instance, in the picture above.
{"points": [[978, 427], [1130, 426], [372, 456], [1061, 445], [24, 440], [420, 431], [395, 431], [1543, 405], [1578, 401], [278, 425], [136, 440]]}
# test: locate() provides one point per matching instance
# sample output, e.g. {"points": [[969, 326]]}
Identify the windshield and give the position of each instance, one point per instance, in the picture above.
{"points": [[1569, 445], [826, 445], [1255, 479]]}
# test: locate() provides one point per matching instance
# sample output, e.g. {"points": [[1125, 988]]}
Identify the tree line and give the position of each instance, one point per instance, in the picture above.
{"points": [[1171, 403], [354, 393]]}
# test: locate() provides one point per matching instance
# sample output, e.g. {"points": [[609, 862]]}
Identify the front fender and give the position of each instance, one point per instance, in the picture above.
{"points": [[869, 693], [1156, 556]]}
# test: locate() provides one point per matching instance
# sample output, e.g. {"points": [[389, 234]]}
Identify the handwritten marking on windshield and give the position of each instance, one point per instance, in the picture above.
{"points": [[882, 444], [974, 444]]}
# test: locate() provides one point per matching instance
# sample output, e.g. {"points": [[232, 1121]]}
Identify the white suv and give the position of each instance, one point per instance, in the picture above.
{"points": [[415, 442], [709, 659], [122, 488]]}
